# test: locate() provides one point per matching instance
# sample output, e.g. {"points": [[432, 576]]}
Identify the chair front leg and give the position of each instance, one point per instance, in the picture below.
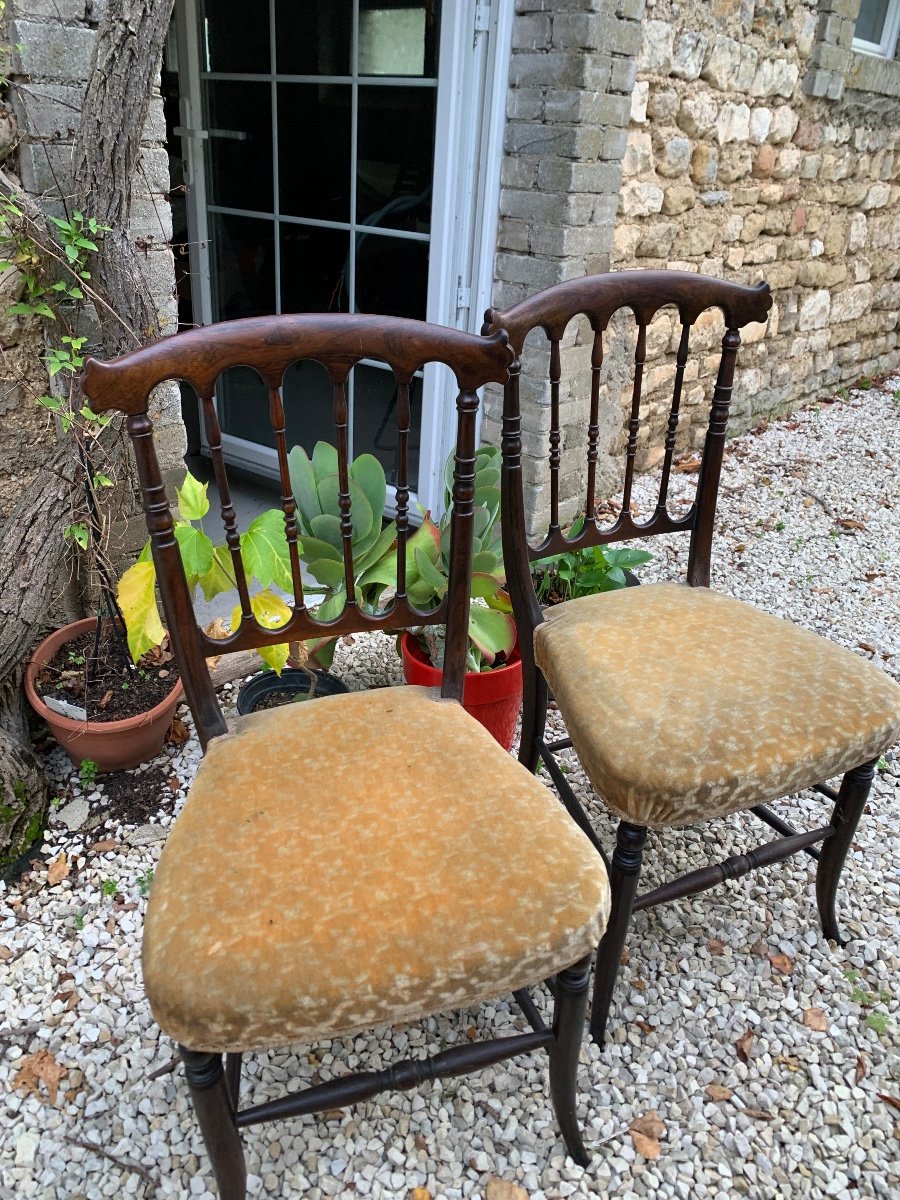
{"points": [[534, 711], [855, 788], [625, 870], [568, 1030], [215, 1115]]}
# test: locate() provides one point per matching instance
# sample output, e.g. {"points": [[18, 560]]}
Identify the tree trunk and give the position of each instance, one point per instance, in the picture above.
{"points": [[127, 56]]}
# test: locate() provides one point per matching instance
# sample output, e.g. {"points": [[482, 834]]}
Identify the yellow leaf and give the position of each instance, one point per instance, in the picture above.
{"points": [[271, 612], [137, 599]]}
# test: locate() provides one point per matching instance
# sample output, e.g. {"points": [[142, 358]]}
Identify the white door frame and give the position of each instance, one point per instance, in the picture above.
{"points": [[473, 71]]}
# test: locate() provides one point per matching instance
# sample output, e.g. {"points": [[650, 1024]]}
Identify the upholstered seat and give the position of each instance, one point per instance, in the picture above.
{"points": [[296, 831], [685, 704]]}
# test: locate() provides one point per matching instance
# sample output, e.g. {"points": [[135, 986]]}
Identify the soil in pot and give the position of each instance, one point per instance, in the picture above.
{"points": [[106, 683], [293, 685]]}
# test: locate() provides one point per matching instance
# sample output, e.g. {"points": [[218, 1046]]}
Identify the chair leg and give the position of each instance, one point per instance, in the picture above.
{"points": [[855, 788], [568, 1031], [215, 1115], [624, 873], [534, 713]]}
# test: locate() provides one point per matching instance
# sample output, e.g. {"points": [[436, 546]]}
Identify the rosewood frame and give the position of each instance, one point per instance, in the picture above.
{"points": [[598, 298], [269, 345]]}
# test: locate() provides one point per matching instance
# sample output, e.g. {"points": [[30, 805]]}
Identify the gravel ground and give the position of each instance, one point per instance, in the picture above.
{"points": [[732, 995]]}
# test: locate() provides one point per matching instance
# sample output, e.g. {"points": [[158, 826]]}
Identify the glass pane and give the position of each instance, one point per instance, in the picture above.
{"points": [[308, 405], [242, 266], [314, 150], [314, 269], [375, 420], [871, 19], [395, 153], [244, 406], [220, 50], [391, 276], [239, 149], [313, 36], [398, 37]]}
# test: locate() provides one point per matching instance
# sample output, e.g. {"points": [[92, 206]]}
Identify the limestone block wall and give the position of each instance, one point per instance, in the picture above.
{"points": [[760, 146]]}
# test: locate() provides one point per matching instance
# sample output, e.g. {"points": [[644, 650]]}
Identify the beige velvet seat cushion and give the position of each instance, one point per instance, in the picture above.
{"points": [[684, 704], [357, 860]]}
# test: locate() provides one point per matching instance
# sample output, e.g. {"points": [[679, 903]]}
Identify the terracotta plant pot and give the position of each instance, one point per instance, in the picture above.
{"points": [[112, 745], [491, 697]]}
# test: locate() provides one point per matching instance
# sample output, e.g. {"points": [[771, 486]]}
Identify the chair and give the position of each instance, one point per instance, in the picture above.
{"points": [[361, 859], [682, 704]]}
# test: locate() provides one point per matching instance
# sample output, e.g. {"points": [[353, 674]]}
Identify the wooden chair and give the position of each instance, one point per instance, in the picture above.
{"points": [[683, 704], [357, 860]]}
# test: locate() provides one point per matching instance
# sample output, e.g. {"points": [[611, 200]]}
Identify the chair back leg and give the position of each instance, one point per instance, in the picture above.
{"points": [[568, 1031], [215, 1115], [534, 710], [855, 788], [625, 871]]}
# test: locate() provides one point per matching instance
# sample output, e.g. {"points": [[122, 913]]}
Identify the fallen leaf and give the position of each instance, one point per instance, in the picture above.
{"points": [[850, 523], [645, 1134], [743, 1045], [792, 1064], [107, 844], [471, 1033], [808, 502], [420, 1194], [781, 963], [111, 925], [740, 548], [625, 956], [39, 1068], [5, 954], [348, 640], [715, 947], [760, 949], [867, 646], [174, 784], [644, 1026], [687, 466], [107, 696], [217, 630], [639, 984], [791, 425], [815, 1019], [333, 1114], [862, 1068], [502, 1189], [718, 1091], [891, 1100], [873, 575], [758, 1114], [58, 870], [178, 732]]}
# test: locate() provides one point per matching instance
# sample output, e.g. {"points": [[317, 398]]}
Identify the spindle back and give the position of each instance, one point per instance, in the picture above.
{"points": [[598, 298], [269, 345]]}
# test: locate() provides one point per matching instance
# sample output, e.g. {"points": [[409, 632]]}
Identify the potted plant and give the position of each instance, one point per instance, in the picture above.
{"points": [[492, 691], [585, 571]]}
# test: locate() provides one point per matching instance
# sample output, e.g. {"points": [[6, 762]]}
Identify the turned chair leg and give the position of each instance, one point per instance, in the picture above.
{"points": [[534, 714], [855, 788], [625, 870], [215, 1115], [568, 1030]]}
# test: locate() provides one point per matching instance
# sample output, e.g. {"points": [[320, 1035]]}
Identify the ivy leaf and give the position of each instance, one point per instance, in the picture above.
{"points": [[271, 612], [193, 502], [196, 550], [265, 550], [137, 600]]}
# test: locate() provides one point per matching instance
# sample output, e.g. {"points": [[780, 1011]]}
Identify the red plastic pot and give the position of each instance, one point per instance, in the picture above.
{"points": [[491, 697], [112, 745]]}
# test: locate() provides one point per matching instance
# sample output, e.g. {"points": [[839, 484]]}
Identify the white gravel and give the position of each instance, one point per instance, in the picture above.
{"points": [[806, 1117]]}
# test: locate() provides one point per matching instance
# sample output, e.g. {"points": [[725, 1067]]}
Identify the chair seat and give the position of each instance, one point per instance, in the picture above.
{"points": [[276, 917], [685, 704]]}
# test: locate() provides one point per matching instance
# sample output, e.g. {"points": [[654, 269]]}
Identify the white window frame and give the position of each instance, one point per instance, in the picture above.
{"points": [[886, 48]]}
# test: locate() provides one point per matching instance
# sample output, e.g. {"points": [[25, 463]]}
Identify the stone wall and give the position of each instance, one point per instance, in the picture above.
{"points": [[51, 44], [757, 149]]}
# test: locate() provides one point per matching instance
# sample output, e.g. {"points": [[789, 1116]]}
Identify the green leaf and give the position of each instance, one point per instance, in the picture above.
{"points": [[193, 502], [377, 550], [264, 548], [79, 533], [484, 586], [50, 402], [361, 516], [491, 632], [137, 600], [429, 573], [146, 555], [324, 461], [369, 474], [303, 485], [218, 578], [627, 558], [489, 562], [271, 612], [327, 527], [196, 549], [315, 548], [101, 480], [327, 572]]}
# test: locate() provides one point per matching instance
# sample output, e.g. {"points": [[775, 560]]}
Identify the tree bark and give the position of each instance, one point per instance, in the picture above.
{"points": [[127, 55]]}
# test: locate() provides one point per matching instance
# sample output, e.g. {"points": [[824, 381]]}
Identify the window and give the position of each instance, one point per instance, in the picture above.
{"points": [[877, 27]]}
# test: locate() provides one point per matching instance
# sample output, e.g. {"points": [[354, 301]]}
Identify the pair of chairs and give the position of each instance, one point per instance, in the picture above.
{"points": [[376, 857]]}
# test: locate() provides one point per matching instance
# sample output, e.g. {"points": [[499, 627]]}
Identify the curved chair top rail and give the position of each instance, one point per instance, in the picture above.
{"points": [[644, 292], [335, 340]]}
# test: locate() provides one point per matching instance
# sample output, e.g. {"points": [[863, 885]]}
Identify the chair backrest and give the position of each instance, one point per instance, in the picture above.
{"points": [[269, 345], [597, 298]]}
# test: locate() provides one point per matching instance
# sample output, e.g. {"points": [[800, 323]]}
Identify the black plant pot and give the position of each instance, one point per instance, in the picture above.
{"points": [[291, 680]]}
